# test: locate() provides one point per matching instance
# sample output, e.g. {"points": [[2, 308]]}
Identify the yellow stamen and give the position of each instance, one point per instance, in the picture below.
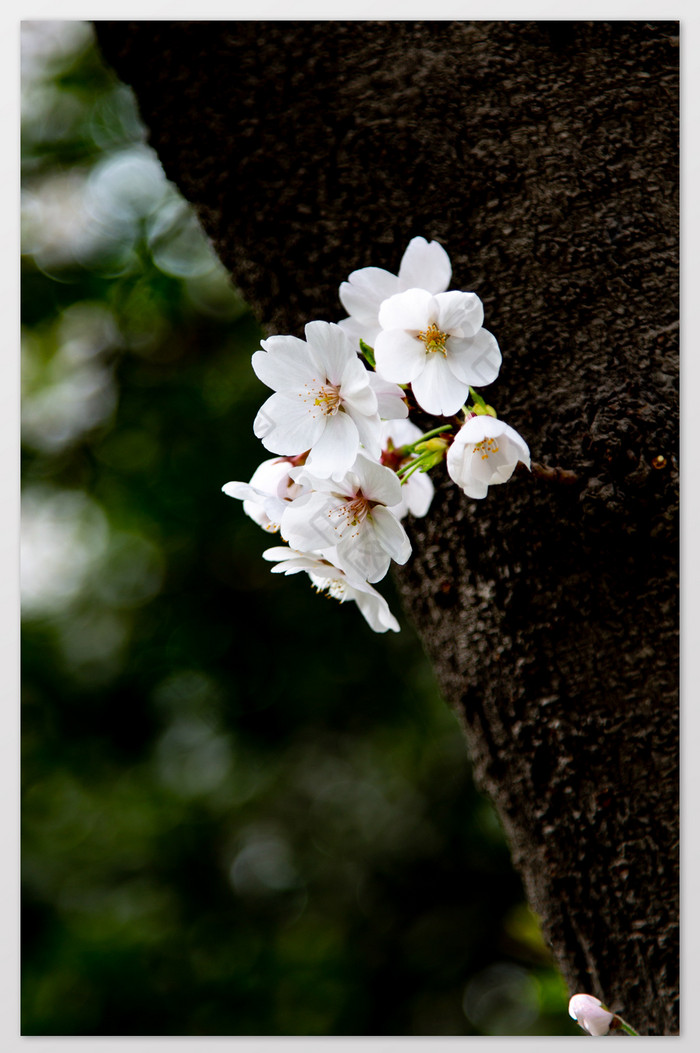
{"points": [[486, 447], [434, 339], [325, 396], [329, 400], [351, 514]]}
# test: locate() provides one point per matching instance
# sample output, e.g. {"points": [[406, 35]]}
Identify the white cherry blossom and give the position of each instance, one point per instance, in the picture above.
{"points": [[351, 515], [590, 1013], [334, 582], [436, 344], [323, 399], [270, 490], [425, 265], [485, 452]]}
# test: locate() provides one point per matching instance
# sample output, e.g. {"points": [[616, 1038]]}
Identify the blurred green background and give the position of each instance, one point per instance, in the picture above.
{"points": [[243, 812]]}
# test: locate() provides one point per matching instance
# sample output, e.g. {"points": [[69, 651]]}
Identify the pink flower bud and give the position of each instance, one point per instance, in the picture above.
{"points": [[590, 1014]]}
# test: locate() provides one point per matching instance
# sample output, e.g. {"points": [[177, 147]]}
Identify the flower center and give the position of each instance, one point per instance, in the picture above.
{"points": [[351, 514], [326, 397], [434, 339], [485, 448], [356, 511], [334, 589]]}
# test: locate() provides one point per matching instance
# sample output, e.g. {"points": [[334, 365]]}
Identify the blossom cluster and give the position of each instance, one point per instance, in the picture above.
{"points": [[349, 464]]}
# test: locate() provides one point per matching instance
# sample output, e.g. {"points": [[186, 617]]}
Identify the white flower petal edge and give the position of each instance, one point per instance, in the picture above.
{"points": [[484, 453], [361, 297], [590, 1014], [438, 390], [322, 398], [336, 447], [328, 578], [425, 265], [411, 310]]}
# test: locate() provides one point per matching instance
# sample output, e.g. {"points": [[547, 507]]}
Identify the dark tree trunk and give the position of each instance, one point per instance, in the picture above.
{"points": [[544, 158]]}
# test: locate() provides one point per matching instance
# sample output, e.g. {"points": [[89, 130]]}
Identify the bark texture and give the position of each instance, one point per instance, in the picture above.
{"points": [[544, 158]]}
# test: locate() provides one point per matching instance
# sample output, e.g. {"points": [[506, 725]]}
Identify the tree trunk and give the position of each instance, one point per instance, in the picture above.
{"points": [[543, 157]]}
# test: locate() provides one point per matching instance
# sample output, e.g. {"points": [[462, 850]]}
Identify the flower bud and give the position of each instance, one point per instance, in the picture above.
{"points": [[590, 1014], [482, 409], [437, 444]]}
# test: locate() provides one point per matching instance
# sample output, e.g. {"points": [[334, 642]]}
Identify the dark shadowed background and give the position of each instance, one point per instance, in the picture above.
{"points": [[244, 812]]}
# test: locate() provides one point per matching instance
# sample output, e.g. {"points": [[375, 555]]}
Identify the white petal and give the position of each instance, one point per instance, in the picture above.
{"points": [[479, 427], [391, 402], [459, 461], [390, 534], [285, 424], [336, 449], [355, 331], [502, 472], [377, 482], [291, 561], [370, 429], [242, 491], [330, 349], [521, 448], [306, 523], [356, 390], [285, 363], [273, 508], [400, 432], [425, 266], [347, 485], [375, 610], [364, 292], [463, 311], [399, 356], [278, 552], [437, 389], [418, 493], [362, 557], [413, 309], [269, 475], [475, 488], [482, 467], [475, 360]]}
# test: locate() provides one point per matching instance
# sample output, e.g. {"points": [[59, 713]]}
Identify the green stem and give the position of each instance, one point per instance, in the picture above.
{"points": [[407, 469], [414, 466], [410, 447], [625, 1026], [435, 431]]}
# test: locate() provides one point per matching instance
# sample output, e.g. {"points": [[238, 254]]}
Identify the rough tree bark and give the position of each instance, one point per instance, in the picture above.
{"points": [[544, 158]]}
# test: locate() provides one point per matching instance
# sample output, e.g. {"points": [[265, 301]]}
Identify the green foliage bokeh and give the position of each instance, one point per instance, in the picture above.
{"points": [[244, 813]]}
